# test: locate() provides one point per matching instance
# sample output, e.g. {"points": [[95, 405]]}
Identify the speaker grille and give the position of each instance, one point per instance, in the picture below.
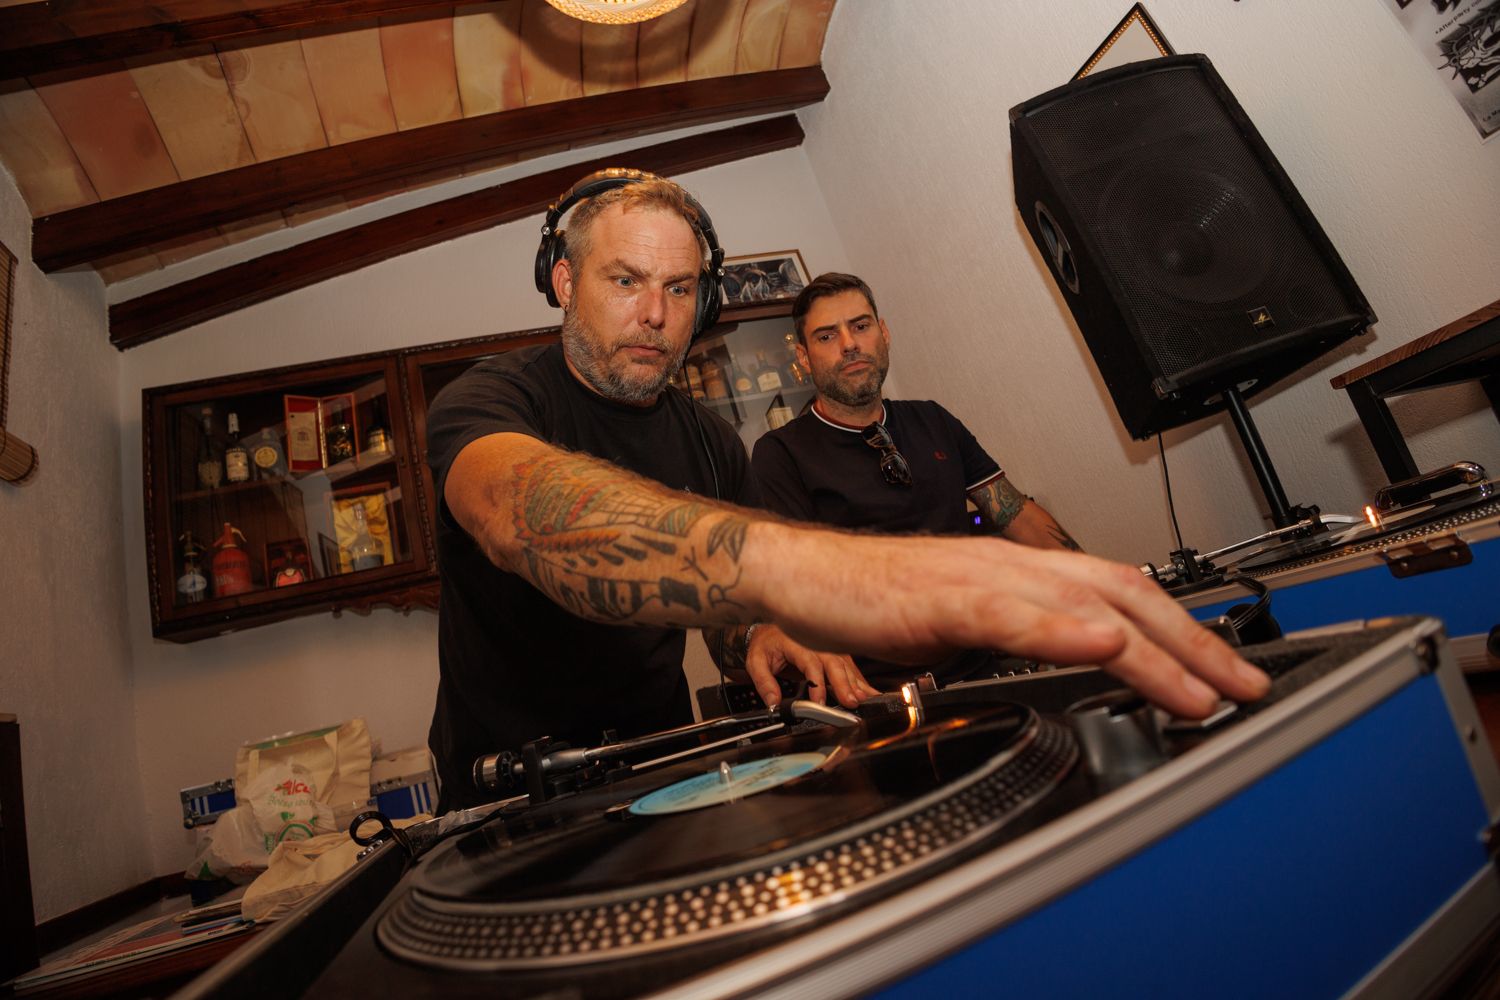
{"points": [[1184, 216]]}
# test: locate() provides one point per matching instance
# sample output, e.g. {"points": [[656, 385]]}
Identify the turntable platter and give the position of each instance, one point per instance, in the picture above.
{"points": [[739, 841]]}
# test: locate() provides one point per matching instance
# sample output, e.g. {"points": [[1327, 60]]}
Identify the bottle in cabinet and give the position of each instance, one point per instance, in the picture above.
{"points": [[741, 380], [266, 456], [210, 461], [714, 385], [339, 437], [236, 457], [792, 371], [192, 585], [363, 552], [231, 564], [767, 378]]}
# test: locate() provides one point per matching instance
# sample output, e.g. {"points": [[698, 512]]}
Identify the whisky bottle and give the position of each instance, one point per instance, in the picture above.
{"points": [[792, 370], [778, 414], [236, 458], [714, 385], [210, 467], [266, 454], [378, 440], [767, 378], [339, 437], [694, 377], [742, 382], [363, 552]]}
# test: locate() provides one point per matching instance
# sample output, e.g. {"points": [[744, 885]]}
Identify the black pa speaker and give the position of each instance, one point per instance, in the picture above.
{"points": [[1188, 259]]}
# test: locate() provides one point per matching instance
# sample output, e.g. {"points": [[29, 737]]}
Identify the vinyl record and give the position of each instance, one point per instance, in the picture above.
{"points": [[725, 844]]}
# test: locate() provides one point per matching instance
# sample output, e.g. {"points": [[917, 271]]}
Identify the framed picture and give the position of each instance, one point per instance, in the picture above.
{"points": [[764, 277], [288, 563], [374, 502], [1136, 37]]}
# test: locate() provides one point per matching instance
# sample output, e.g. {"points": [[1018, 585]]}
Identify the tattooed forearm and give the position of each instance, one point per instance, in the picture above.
{"points": [[999, 502], [1060, 535], [613, 548]]}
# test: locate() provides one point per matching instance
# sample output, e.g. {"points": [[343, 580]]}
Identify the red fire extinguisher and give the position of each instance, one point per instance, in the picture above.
{"points": [[231, 564]]}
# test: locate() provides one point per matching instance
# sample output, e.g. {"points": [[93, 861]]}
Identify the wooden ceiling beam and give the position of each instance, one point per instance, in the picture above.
{"points": [[92, 232], [69, 34], [156, 314]]}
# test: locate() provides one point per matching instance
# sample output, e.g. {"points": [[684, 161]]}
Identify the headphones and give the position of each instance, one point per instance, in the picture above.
{"points": [[554, 243]]}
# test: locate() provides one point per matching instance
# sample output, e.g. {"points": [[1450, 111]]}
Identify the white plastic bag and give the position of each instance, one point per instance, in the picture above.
{"points": [[279, 804]]}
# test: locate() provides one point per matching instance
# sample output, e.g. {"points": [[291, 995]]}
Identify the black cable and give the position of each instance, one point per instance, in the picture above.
{"points": [[1262, 605], [1167, 479], [713, 472]]}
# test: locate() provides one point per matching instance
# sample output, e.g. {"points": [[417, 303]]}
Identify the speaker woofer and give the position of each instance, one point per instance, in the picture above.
{"points": [[1192, 261]]}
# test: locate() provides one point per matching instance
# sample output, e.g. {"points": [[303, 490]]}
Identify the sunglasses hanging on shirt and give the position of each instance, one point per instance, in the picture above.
{"points": [[892, 463]]}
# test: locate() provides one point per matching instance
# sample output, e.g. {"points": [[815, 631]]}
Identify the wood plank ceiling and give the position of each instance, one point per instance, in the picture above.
{"points": [[143, 134]]}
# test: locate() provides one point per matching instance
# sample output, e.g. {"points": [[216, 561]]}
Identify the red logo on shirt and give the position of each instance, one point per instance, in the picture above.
{"points": [[940, 456]]}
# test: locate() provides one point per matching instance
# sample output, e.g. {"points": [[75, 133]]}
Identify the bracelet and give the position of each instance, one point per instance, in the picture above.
{"points": [[748, 633]]}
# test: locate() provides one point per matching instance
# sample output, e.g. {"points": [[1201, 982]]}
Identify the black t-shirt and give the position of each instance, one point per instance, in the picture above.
{"points": [[514, 666], [814, 469]]}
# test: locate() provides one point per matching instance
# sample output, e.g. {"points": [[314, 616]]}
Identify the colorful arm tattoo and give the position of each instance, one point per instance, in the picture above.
{"points": [[612, 548], [999, 502]]}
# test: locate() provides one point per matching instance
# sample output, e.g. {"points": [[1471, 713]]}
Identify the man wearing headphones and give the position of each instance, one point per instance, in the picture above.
{"points": [[587, 518], [856, 460]]}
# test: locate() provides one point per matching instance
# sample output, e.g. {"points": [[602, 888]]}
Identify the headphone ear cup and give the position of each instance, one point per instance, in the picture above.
{"points": [[553, 248], [709, 300]]}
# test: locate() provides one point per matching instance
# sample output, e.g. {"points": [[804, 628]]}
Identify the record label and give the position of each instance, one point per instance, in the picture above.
{"points": [[727, 784]]}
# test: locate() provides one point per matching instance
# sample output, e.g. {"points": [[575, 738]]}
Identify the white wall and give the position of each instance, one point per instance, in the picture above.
{"points": [[912, 153], [195, 703], [64, 652]]}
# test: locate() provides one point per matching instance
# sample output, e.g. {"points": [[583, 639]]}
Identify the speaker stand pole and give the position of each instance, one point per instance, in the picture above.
{"points": [[1283, 514]]}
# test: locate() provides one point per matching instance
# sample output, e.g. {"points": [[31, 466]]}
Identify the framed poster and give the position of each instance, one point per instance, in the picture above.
{"points": [[764, 277], [1460, 40]]}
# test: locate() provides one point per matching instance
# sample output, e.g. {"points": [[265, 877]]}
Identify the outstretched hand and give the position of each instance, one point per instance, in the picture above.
{"points": [[772, 650], [915, 599]]}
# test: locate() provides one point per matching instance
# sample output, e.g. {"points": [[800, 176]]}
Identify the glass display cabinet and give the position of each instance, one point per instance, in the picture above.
{"points": [[271, 494], [746, 371]]}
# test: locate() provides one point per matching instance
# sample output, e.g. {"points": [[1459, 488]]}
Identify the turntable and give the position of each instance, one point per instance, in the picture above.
{"points": [[1411, 553], [1045, 832]]}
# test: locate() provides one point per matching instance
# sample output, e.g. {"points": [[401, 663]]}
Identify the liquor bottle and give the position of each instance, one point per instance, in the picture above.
{"points": [[767, 378], [192, 585], [378, 440], [236, 458], [778, 414], [266, 454], [338, 437], [210, 467], [231, 564], [694, 376], [741, 380], [714, 385], [792, 370], [363, 552]]}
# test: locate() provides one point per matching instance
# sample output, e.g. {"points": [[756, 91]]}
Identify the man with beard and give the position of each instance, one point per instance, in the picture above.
{"points": [[856, 460], [577, 538]]}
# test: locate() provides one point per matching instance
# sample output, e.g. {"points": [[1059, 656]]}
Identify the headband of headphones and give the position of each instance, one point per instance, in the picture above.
{"points": [[554, 242]]}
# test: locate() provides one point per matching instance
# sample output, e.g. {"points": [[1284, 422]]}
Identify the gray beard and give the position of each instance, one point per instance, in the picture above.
{"points": [[592, 361], [865, 393]]}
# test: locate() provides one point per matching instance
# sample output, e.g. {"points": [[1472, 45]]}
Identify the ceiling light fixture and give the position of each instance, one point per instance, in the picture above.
{"points": [[615, 11]]}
